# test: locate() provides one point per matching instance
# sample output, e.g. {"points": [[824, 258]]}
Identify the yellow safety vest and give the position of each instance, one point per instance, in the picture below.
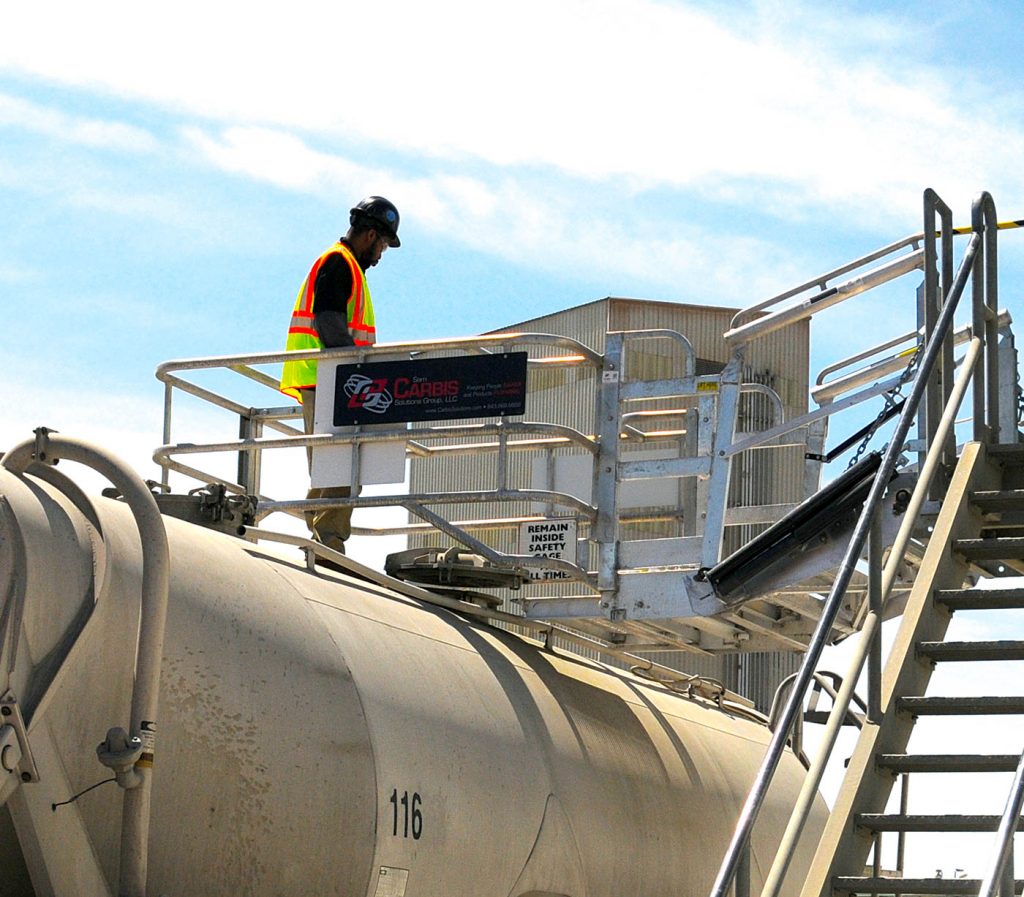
{"points": [[299, 375]]}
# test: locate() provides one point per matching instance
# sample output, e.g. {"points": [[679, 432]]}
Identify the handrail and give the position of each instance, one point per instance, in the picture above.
{"points": [[583, 352], [689, 355], [164, 452], [824, 390], [825, 299], [868, 629], [1002, 852], [821, 282], [430, 439], [739, 844]]}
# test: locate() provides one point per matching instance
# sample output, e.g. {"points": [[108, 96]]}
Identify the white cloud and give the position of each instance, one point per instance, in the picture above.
{"points": [[274, 156], [833, 110], [16, 275], [509, 218], [18, 113]]}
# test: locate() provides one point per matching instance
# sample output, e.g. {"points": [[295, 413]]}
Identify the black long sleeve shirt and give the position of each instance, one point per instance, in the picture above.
{"points": [[330, 302]]}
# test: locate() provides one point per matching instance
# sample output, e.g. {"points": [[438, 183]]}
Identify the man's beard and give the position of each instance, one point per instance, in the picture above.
{"points": [[366, 259]]}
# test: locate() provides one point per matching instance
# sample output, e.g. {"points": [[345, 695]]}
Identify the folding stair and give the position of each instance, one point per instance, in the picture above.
{"points": [[980, 524]]}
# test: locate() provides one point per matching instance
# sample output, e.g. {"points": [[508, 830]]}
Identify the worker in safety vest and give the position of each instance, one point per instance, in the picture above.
{"points": [[334, 309]]}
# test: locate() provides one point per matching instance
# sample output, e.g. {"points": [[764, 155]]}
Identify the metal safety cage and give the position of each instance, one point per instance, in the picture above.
{"points": [[690, 419]]}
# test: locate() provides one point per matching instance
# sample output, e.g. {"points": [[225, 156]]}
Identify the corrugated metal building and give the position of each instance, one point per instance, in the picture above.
{"points": [[567, 396]]}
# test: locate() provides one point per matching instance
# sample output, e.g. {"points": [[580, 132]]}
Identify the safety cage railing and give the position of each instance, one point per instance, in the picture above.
{"points": [[679, 415]]}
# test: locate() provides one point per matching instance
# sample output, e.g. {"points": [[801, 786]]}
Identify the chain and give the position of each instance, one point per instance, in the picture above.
{"points": [[891, 398], [1020, 400]]}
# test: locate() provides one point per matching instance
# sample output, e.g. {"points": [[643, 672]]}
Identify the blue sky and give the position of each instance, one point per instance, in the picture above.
{"points": [[168, 173], [168, 176]]}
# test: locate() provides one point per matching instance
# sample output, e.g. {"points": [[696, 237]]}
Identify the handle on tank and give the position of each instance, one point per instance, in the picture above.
{"points": [[48, 448]]}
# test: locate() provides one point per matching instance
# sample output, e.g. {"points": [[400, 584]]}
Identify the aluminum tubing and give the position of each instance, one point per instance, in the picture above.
{"points": [[149, 651]]}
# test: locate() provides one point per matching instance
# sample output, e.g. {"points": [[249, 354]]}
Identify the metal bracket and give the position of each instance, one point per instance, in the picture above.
{"points": [[40, 453], [15, 752]]}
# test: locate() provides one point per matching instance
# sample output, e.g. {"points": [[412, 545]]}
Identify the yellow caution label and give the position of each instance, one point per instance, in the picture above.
{"points": [[1002, 225], [707, 387]]}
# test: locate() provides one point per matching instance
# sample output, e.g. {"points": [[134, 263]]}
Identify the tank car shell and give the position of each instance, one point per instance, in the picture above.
{"points": [[323, 735]]}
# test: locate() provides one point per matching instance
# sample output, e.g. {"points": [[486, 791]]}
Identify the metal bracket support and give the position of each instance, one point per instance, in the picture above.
{"points": [[16, 763]]}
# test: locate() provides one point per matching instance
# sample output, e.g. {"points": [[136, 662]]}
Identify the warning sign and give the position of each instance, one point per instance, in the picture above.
{"points": [[551, 538]]}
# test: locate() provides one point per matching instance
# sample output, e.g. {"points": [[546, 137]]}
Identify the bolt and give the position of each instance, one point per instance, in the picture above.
{"points": [[6, 711], [26, 777]]}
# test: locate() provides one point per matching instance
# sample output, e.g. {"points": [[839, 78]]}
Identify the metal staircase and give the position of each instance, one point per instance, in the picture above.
{"points": [[973, 527], [980, 506]]}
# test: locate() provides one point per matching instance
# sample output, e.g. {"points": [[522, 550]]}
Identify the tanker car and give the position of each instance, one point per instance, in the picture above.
{"points": [[328, 733]]}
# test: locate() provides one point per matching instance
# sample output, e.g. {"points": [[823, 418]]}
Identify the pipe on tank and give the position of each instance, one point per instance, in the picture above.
{"points": [[48, 448]]}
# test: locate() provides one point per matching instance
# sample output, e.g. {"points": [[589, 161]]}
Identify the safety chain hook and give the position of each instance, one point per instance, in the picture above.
{"points": [[891, 398]]}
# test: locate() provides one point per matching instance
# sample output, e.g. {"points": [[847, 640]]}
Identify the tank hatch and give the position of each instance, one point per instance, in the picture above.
{"points": [[455, 572]]}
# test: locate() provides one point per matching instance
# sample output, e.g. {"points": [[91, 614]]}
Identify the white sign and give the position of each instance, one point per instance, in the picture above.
{"points": [[379, 462], [551, 538]]}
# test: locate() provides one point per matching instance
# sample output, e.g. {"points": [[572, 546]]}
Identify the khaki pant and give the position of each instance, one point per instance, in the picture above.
{"points": [[333, 526]]}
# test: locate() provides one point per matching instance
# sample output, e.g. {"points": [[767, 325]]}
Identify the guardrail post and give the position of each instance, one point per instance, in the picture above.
{"points": [[605, 531], [249, 461], [875, 551], [1008, 411], [992, 315], [721, 463], [165, 472], [935, 287], [985, 298]]}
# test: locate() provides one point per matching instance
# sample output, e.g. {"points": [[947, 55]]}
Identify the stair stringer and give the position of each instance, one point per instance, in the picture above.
{"points": [[843, 848]]}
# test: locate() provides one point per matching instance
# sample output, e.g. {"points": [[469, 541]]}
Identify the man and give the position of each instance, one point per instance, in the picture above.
{"points": [[334, 309]]}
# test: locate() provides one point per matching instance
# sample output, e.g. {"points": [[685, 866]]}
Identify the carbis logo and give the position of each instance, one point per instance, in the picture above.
{"points": [[365, 392]]}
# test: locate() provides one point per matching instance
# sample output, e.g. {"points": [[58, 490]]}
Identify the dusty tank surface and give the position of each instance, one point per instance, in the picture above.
{"points": [[319, 734]]}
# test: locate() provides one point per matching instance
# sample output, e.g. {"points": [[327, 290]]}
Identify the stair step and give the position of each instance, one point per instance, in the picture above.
{"points": [[1006, 452], [946, 706], [948, 762], [948, 651], [981, 599], [896, 822], [990, 501], [990, 549], [843, 884]]}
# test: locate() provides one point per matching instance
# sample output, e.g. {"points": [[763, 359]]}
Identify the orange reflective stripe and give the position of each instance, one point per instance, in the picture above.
{"points": [[309, 287], [309, 331]]}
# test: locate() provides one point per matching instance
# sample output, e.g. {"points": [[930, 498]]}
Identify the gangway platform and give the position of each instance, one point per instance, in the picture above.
{"points": [[643, 545]]}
